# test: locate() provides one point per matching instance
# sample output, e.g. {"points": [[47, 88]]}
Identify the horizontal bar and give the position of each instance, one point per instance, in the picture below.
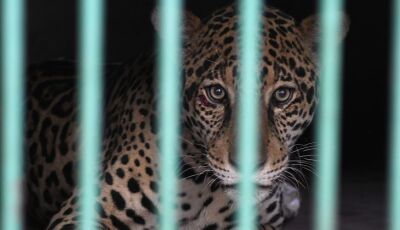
{"points": [[329, 121], [91, 23], [249, 94], [169, 78], [394, 159], [13, 63]]}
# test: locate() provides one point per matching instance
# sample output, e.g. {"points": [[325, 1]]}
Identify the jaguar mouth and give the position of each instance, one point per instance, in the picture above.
{"points": [[236, 185], [232, 180], [260, 194]]}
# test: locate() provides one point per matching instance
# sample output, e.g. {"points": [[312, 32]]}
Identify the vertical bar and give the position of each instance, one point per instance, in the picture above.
{"points": [[394, 159], [249, 94], [329, 121], [13, 112], [169, 75], [91, 16]]}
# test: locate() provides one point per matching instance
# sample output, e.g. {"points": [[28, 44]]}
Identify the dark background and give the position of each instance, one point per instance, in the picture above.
{"points": [[52, 34]]}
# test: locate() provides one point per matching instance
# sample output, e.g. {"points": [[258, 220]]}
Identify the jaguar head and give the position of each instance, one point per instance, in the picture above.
{"points": [[287, 94]]}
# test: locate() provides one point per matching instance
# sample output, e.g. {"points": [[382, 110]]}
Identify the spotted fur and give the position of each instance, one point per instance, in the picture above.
{"points": [[208, 167]]}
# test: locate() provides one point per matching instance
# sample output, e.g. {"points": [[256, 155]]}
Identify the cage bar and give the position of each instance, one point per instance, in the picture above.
{"points": [[249, 94], [169, 78], [394, 159], [329, 121], [12, 73], [91, 17]]}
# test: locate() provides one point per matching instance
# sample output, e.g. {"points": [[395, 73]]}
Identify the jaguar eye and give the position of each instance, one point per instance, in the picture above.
{"points": [[283, 95], [216, 93]]}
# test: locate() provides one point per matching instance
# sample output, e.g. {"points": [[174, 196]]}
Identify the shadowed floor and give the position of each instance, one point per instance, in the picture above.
{"points": [[362, 204]]}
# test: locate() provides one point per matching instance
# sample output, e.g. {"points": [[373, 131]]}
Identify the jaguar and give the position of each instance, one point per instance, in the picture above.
{"points": [[208, 167]]}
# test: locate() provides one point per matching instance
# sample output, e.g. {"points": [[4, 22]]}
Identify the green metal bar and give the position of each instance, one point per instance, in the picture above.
{"points": [[169, 77], [249, 97], [91, 18], [394, 159], [12, 73], [329, 121]]}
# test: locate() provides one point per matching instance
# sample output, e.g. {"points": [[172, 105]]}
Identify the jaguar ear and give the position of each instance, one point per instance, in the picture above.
{"points": [[310, 28], [191, 24]]}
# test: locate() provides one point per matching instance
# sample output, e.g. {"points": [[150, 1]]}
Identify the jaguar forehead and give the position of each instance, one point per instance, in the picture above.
{"points": [[215, 47]]}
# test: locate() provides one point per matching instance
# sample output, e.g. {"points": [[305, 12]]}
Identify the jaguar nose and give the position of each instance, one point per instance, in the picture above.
{"points": [[233, 160], [261, 160], [261, 163]]}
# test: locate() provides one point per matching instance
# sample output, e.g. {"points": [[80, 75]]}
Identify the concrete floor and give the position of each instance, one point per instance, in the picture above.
{"points": [[362, 205]]}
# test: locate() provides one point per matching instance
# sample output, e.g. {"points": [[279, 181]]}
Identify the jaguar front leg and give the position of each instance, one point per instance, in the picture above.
{"points": [[268, 227], [282, 204]]}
